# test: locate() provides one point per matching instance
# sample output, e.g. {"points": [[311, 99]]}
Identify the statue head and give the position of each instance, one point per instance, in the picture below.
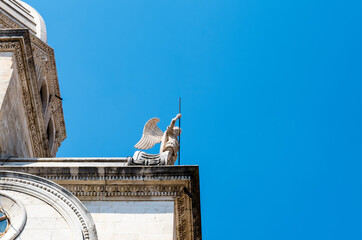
{"points": [[177, 131]]}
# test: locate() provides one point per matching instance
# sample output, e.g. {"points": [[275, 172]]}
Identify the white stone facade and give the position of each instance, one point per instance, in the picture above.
{"points": [[51, 211], [43, 221], [14, 135], [26, 16], [136, 220]]}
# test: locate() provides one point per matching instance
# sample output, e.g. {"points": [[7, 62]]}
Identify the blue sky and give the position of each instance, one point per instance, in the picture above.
{"points": [[271, 90]]}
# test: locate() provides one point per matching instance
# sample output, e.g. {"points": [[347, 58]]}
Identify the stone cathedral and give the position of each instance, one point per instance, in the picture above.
{"points": [[144, 197]]}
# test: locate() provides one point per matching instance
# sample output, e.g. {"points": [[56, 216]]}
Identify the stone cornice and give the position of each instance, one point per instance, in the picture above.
{"points": [[102, 181]]}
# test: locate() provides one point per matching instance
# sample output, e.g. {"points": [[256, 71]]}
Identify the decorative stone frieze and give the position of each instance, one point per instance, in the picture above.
{"points": [[102, 180]]}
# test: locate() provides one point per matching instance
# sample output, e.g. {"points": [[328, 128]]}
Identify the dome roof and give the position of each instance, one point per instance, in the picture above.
{"points": [[38, 20], [26, 16]]}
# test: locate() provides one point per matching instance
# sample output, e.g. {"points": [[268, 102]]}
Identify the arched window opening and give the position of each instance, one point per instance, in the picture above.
{"points": [[51, 134], [44, 96]]}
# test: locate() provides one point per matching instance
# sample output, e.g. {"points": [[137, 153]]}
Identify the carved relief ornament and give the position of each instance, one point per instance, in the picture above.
{"points": [[37, 53]]}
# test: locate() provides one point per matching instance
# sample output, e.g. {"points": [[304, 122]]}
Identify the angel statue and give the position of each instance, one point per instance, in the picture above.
{"points": [[152, 135]]}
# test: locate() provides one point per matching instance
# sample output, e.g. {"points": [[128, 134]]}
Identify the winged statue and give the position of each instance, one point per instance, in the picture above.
{"points": [[152, 135]]}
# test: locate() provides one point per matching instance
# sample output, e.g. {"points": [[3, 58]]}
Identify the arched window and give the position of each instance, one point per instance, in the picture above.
{"points": [[51, 134], [44, 95]]}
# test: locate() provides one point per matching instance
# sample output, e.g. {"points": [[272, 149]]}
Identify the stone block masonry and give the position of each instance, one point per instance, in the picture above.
{"points": [[136, 220]]}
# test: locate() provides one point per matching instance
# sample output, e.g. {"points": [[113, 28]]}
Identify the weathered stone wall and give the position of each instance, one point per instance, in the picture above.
{"points": [[36, 72], [136, 220], [14, 135]]}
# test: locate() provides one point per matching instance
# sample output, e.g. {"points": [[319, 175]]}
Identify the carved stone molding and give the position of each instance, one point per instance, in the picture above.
{"points": [[132, 184], [44, 55], [16, 214], [15, 46], [41, 56], [96, 182], [119, 190], [62, 200], [141, 191], [89, 176], [7, 23]]}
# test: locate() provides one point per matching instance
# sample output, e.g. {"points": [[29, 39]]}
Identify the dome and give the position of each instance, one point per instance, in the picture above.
{"points": [[38, 20], [25, 16]]}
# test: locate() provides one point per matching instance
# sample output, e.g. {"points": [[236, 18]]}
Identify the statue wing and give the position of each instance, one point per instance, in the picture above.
{"points": [[151, 135]]}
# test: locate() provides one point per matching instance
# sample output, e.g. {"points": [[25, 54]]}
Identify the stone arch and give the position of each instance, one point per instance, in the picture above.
{"points": [[15, 214], [66, 204]]}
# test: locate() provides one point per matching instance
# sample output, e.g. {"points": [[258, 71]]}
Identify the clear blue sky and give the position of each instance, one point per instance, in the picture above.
{"points": [[272, 94]]}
